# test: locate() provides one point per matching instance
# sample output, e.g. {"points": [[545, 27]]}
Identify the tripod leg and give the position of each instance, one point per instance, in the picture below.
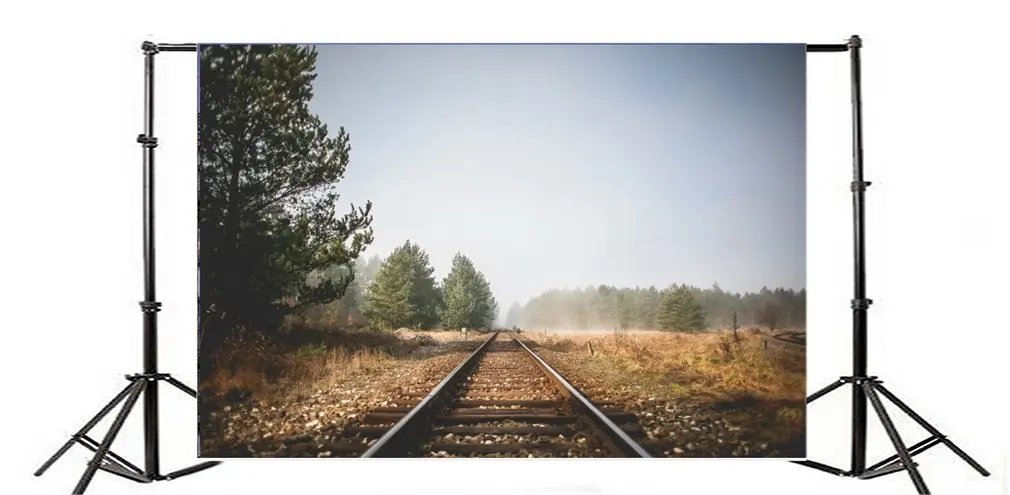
{"points": [[824, 391], [191, 469], [83, 431], [135, 390], [892, 432], [936, 433], [181, 386]]}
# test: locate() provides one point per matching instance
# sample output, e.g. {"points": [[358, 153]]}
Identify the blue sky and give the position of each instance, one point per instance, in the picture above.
{"points": [[570, 165]]}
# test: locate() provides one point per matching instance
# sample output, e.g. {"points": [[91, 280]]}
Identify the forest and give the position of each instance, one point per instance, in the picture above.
{"points": [[678, 307]]}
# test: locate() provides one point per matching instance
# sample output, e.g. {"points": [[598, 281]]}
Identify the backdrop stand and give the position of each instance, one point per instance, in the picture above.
{"points": [[145, 383], [863, 386]]}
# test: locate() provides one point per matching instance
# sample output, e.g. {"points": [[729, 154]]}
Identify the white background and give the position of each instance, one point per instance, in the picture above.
{"points": [[936, 132]]}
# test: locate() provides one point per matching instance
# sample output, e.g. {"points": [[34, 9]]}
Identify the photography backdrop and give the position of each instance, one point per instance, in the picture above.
{"points": [[920, 144], [573, 189]]}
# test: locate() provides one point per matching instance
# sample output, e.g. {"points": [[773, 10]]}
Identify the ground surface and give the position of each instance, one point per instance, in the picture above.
{"points": [[703, 419], [682, 388]]}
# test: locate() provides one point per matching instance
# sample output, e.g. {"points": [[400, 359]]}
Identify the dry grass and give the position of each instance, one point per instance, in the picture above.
{"points": [[707, 366], [251, 366], [741, 379]]}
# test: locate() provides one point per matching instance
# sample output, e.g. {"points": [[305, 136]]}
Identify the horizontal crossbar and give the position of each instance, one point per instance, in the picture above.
{"points": [[828, 48], [118, 470], [92, 445], [884, 471], [914, 450]]}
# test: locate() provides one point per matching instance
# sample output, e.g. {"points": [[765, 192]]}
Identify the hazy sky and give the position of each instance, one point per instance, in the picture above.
{"points": [[569, 165]]}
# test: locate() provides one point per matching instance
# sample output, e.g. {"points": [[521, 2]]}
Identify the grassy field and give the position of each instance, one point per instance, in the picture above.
{"points": [[702, 366], [750, 379], [250, 366], [754, 383]]}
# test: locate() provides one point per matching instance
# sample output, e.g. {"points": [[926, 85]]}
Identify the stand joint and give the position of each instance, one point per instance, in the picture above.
{"points": [[859, 380], [855, 42], [862, 304], [148, 376], [859, 185], [150, 306], [149, 48], [147, 141]]}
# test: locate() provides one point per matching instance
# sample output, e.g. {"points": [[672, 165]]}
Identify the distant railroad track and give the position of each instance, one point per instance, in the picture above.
{"points": [[503, 400]]}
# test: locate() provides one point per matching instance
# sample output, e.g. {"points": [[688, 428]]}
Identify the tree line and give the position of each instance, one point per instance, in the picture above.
{"points": [[678, 307], [401, 291]]}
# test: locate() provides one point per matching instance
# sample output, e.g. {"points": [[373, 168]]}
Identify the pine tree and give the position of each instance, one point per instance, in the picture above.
{"points": [[625, 308], [678, 310], [468, 299], [770, 316], [648, 308], [267, 200], [403, 292], [606, 305]]}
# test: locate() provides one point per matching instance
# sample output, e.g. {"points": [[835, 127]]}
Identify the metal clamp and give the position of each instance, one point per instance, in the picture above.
{"points": [[858, 380], [861, 303], [148, 376], [149, 48], [147, 141], [859, 185], [150, 306]]}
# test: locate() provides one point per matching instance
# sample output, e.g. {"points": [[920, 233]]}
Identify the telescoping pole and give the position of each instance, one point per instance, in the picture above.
{"points": [[859, 302], [149, 305]]}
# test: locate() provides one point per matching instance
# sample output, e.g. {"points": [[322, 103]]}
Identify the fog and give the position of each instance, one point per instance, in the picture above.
{"points": [[564, 166], [585, 331]]}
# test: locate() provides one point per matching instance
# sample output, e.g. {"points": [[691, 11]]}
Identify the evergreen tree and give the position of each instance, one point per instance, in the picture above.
{"points": [[468, 299], [267, 199], [651, 308], [403, 293], [678, 310], [606, 305], [625, 308], [770, 316]]}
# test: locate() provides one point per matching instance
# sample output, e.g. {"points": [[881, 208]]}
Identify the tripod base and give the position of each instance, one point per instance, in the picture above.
{"points": [[902, 459], [107, 460]]}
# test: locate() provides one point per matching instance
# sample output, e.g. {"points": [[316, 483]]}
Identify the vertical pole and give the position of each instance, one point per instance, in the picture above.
{"points": [[149, 306], [859, 302]]}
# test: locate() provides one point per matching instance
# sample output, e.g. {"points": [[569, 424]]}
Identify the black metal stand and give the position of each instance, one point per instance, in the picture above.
{"points": [[868, 387], [145, 384]]}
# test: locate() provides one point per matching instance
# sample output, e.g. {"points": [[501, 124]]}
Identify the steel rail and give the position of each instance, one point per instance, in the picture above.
{"points": [[387, 444], [612, 432]]}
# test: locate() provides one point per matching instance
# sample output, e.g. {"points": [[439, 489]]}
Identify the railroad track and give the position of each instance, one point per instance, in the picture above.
{"points": [[502, 401]]}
